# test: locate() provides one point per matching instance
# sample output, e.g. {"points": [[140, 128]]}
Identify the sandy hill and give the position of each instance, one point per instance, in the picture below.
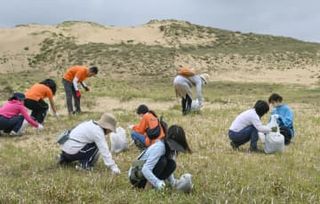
{"points": [[156, 48]]}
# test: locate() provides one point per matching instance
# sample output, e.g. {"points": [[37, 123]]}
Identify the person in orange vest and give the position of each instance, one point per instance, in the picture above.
{"points": [[149, 129], [73, 76], [35, 99]]}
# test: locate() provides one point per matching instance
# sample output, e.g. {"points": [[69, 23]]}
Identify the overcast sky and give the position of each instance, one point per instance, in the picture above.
{"points": [[294, 18]]}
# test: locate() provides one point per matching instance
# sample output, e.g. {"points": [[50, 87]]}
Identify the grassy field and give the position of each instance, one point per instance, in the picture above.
{"points": [[29, 173]]}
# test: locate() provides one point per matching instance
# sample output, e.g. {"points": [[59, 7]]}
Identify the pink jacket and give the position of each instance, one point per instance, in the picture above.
{"points": [[14, 108]]}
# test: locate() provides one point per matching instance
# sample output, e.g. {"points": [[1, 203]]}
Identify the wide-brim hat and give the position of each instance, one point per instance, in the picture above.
{"points": [[108, 121], [205, 77], [175, 146]]}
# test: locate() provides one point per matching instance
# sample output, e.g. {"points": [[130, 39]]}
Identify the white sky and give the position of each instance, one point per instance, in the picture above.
{"points": [[293, 18]]}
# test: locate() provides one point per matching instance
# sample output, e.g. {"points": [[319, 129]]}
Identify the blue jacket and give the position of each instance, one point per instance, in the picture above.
{"points": [[286, 116]]}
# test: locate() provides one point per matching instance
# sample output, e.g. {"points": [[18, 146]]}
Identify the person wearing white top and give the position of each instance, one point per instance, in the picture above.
{"points": [[246, 126], [87, 140], [159, 160], [183, 85]]}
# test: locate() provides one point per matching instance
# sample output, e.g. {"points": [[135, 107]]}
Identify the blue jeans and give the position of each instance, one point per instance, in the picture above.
{"points": [[9, 124], [138, 136], [245, 135]]}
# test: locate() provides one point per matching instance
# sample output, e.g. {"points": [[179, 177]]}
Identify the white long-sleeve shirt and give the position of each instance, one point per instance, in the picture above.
{"points": [[247, 118], [152, 156], [190, 82], [85, 133]]}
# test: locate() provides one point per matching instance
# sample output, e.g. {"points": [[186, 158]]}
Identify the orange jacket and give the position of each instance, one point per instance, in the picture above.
{"points": [[148, 121], [81, 72], [39, 91]]}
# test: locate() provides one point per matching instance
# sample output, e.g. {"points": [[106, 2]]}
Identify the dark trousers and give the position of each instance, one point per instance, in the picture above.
{"points": [[162, 170], [87, 156], [287, 133], [38, 109], [245, 135], [186, 104], [71, 94], [9, 124]]}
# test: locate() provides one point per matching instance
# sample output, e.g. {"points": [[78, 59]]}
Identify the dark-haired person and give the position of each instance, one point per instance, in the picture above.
{"points": [[159, 160], [86, 141], [35, 99], [148, 119], [247, 124], [12, 115], [73, 76], [285, 117], [183, 84]]}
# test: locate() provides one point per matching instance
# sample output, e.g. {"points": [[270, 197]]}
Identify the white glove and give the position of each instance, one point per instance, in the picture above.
{"points": [[130, 127], [115, 170], [161, 185], [40, 127], [56, 114]]}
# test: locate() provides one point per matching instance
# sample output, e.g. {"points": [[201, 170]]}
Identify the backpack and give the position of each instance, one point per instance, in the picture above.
{"points": [[155, 132], [186, 71]]}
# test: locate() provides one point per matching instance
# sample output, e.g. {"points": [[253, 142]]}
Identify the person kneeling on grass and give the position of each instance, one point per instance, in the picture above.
{"points": [[86, 141], [14, 116], [284, 117], [149, 129], [157, 162], [247, 125]]}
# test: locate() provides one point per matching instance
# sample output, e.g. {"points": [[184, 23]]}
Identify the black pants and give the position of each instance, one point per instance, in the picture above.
{"points": [[9, 124], [71, 94], [162, 170], [186, 104], [87, 156], [286, 132], [39, 109]]}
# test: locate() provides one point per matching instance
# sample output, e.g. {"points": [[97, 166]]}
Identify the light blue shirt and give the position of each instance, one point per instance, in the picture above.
{"points": [[286, 116], [152, 156]]}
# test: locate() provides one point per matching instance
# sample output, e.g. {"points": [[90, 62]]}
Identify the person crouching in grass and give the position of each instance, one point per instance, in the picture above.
{"points": [[35, 99], [246, 126], [86, 141], [158, 160], [14, 116], [284, 115]]}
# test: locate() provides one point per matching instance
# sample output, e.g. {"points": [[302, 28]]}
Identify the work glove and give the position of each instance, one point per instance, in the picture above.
{"points": [[40, 127], [78, 94], [115, 170], [161, 185]]}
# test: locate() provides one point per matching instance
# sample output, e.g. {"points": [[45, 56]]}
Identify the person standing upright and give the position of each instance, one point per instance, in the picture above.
{"points": [[73, 76]]}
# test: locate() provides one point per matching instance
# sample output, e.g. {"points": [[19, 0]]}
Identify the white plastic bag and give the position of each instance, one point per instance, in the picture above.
{"points": [[262, 137], [274, 141], [184, 183], [195, 105], [118, 140]]}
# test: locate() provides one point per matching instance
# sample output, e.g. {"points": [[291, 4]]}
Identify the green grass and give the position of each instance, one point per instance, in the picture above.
{"points": [[29, 173]]}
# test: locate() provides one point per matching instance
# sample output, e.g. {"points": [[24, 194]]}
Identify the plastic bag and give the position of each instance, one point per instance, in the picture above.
{"points": [[184, 183], [274, 141], [195, 105], [118, 140]]}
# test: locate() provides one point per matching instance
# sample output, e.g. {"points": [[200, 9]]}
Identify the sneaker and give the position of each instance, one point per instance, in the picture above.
{"points": [[254, 150], [81, 167], [13, 133], [234, 146]]}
